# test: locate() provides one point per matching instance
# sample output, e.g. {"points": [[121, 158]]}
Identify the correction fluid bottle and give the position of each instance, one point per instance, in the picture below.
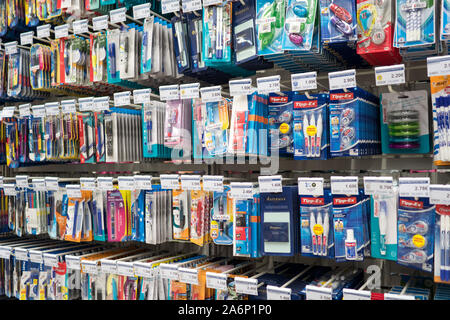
{"points": [[350, 245]]}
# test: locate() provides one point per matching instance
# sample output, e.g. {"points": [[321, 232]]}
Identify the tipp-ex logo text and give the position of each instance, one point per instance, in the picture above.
{"points": [[411, 204], [305, 104], [312, 201], [278, 99], [343, 201], [443, 210], [341, 96]]}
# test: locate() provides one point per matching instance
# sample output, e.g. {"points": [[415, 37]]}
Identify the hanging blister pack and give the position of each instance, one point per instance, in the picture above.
{"points": [[147, 45], [222, 218], [281, 124], [270, 23], [181, 43], [181, 204], [199, 216], [216, 33], [244, 31], [299, 27], [113, 63], [338, 20], [98, 54], [441, 244], [86, 131]]}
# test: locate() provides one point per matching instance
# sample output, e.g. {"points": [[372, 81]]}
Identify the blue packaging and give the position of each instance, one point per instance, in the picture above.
{"points": [[310, 127], [416, 218], [222, 218], [244, 31], [246, 227], [281, 120], [445, 20], [316, 231], [181, 43], [338, 20]]}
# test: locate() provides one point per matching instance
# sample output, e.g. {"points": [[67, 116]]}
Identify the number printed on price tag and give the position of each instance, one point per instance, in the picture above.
{"points": [[88, 184], [414, 187], [318, 293], [101, 103], [388, 75], [122, 98], [269, 184], [26, 38], [213, 183], [191, 5], [246, 286], [304, 81], [100, 23], [342, 79], [142, 95], [126, 183], [169, 271], [118, 15], [378, 185], [143, 182], [190, 182], [241, 87], [344, 185], [268, 84], [277, 293], [438, 66], [169, 181], [169, 6], [170, 92], [241, 190], [440, 194], [141, 11], [86, 104], [211, 94], [189, 91], [68, 106], [310, 186], [216, 280], [188, 275], [43, 31], [105, 183]]}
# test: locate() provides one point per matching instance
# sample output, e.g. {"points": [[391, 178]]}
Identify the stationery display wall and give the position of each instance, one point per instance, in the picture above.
{"points": [[224, 150]]}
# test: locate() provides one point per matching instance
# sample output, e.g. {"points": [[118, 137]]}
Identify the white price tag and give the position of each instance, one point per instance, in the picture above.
{"points": [[265, 25], [22, 181], [169, 271], [344, 185], [270, 184], [99, 23], [440, 194], [21, 254], [211, 94], [38, 184], [86, 104], [213, 183], [342, 79], [72, 262], [61, 31], [90, 267], [73, 191], [50, 260], [438, 66], [191, 5], [118, 15], [169, 92], [105, 183], [24, 110], [189, 91], [268, 85], [5, 252], [240, 87], [310, 186], [277, 293], [169, 6], [207, 3], [80, 26], [241, 190], [388, 75], [125, 268], [378, 185], [390, 296], [101, 103], [304, 81], [11, 47], [188, 275], [169, 181], [141, 95], [141, 11], [26, 38], [8, 112], [126, 183], [9, 189], [414, 187], [38, 111], [108, 266], [352, 294], [143, 182], [1, 181], [88, 184], [122, 98], [43, 31], [52, 108], [35, 256], [51, 183], [216, 280], [190, 182], [318, 293], [68, 106], [142, 269], [246, 286]]}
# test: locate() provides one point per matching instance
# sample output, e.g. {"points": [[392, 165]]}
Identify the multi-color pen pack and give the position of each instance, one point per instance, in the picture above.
{"points": [[441, 123], [442, 244]]}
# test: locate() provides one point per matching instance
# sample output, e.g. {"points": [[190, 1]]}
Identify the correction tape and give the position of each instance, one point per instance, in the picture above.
{"points": [[415, 256], [347, 136], [341, 13], [418, 227], [347, 116], [342, 26]]}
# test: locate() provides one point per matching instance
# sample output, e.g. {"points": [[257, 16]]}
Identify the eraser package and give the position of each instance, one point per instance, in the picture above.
{"points": [[222, 218], [415, 23], [383, 225], [441, 244], [441, 128], [311, 127], [354, 123], [279, 222], [316, 225], [338, 20], [416, 217], [351, 226], [270, 24], [281, 120], [404, 122], [299, 26]]}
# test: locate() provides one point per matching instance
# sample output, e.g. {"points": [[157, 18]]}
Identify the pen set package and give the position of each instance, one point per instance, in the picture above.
{"points": [[383, 225], [40, 67], [98, 55], [222, 218], [416, 219], [404, 122], [310, 127], [113, 63], [351, 226], [74, 61], [79, 218], [117, 215], [158, 215], [100, 146], [442, 244], [299, 27], [35, 212], [177, 123], [281, 124], [441, 125], [354, 123], [201, 204], [181, 42], [195, 32], [338, 20], [244, 31], [247, 228], [128, 53], [280, 222], [270, 24], [138, 215], [86, 132], [181, 214], [316, 214], [153, 120], [12, 142], [147, 45], [415, 22]]}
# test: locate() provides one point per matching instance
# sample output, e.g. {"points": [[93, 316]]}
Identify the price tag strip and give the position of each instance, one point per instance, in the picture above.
{"points": [[342, 79], [190, 182], [189, 91], [246, 286], [169, 92], [142, 95], [169, 181], [378, 185], [188, 275], [169, 271], [126, 183], [388, 75], [414, 187], [318, 293], [240, 87], [216, 280], [211, 94], [241, 190], [269, 184], [438, 66], [310, 186], [304, 81], [440, 194], [213, 183], [344, 185], [277, 293], [143, 182], [268, 85]]}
